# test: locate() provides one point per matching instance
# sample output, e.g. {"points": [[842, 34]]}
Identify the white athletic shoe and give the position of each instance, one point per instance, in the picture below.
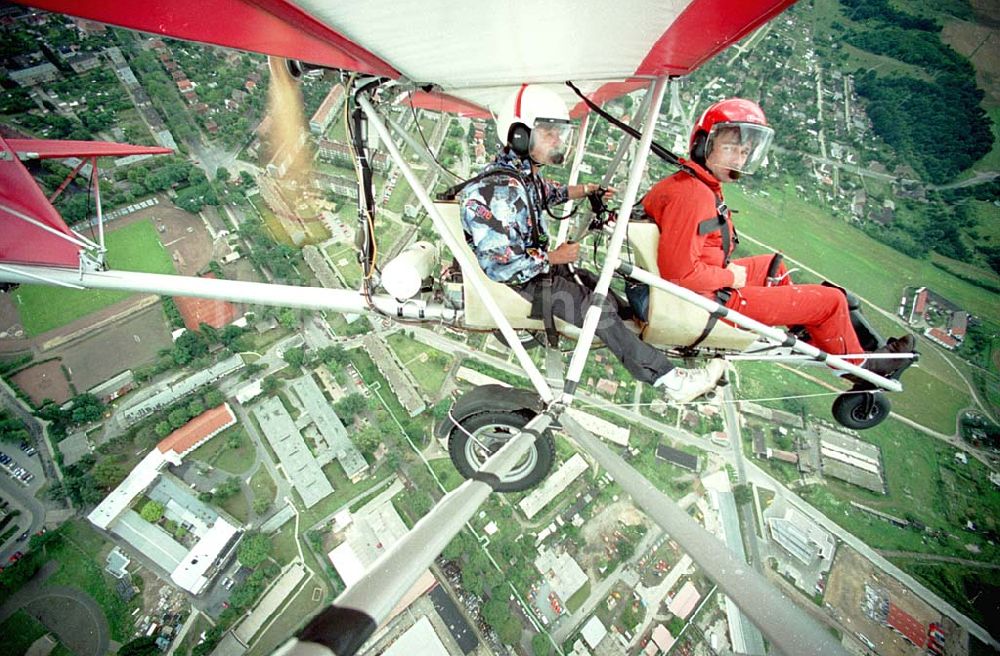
{"points": [[685, 385]]}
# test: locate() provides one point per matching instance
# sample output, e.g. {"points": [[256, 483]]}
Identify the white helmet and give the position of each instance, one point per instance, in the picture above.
{"points": [[534, 122]]}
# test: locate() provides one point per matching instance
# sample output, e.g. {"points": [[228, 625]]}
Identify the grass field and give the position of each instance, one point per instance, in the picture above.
{"points": [[923, 480], [347, 265], [19, 631], [218, 453], [263, 485], [238, 507], [447, 473], [80, 555], [843, 254], [293, 615], [135, 247], [284, 545], [428, 366]]}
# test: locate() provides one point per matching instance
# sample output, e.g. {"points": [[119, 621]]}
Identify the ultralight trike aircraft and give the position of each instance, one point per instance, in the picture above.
{"points": [[465, 59]]}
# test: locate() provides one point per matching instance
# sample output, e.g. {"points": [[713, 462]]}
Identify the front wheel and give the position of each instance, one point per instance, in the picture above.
{"points": [[478, 436], [861, 410]]}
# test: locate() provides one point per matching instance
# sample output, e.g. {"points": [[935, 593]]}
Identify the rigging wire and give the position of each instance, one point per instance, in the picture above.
{"points": [[420, 131]]}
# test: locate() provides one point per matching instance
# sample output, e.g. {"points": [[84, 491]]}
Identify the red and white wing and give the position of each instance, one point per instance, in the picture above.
{"points": [[471, 54], [31, 230], [474, 52]]}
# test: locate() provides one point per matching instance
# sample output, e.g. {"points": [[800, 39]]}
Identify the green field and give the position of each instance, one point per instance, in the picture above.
{"points": [[808, 233], [19, 631], [350, 270], [81, 555], [135, 247], [428, 365], [923, 479], [263, 485]]}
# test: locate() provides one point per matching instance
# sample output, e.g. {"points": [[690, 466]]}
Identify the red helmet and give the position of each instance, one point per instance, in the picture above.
{"points": [[744, 115]]}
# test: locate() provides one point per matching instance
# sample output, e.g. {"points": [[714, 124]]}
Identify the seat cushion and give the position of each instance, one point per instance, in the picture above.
{"points": [[673, 321]]}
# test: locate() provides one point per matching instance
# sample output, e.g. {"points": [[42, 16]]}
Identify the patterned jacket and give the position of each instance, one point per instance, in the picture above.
{"points": [[504, 220]]}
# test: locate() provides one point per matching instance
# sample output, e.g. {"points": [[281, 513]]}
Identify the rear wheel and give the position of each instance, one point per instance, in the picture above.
{"points": [[530, 339], [861, 410], [481, 435]]}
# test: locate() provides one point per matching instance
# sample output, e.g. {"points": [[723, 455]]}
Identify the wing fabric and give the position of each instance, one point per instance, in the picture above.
{"points": [[21, 242], [475, 53]]}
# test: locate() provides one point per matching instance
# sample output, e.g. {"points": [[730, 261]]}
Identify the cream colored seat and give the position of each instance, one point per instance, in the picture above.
{"points": [[513, 305], [673, 321]]}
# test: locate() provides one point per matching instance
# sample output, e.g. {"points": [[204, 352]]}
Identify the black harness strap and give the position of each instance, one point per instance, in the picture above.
{"points": [[541, 308], [720, 224], [722, 297]]}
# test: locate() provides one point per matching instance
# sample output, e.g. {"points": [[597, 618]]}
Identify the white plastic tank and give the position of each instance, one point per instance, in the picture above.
{"points": [[403, 276]]}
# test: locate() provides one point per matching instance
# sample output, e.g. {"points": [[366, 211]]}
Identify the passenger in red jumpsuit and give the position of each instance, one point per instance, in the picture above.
{"points": [[697, 238]]}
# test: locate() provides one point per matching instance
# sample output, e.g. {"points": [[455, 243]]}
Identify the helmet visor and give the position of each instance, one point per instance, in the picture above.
{"points": [[740, 147], [551, 141]]}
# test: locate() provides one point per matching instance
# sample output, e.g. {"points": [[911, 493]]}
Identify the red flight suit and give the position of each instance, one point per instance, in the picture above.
{"points": [[694, 259]]}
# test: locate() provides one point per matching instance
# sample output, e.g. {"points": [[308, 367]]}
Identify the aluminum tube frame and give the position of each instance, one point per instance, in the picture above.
{"points": [[574, 175], [770, 332], [75, 239], [582, 350], [534, 375], [625, 142], [96, 181], [785, 626], [259, 293], [390, 577]]}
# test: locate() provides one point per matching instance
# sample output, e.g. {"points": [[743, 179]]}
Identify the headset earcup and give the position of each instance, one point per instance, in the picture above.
{"points": [[698, 148], [518, 137]]}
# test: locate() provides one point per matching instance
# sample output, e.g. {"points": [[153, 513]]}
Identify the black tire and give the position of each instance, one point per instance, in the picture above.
{"points": [[529, 339], [482, 434], [861, 410]]}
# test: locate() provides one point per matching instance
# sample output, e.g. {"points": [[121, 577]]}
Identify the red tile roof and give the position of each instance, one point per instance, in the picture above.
{"points": [[198, 429], [921, 303], [907, 625], [197, 311]]}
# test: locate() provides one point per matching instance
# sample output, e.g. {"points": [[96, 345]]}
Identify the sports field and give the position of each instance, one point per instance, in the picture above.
{"points": [[134, 247]]}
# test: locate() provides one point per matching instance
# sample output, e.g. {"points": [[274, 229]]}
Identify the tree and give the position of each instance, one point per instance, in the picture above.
{"points": [[254, 549], [107, 473], [367, 440], [295, 357], [510, 630], [333, 354], [287, 317], [260, 505], [86, 408], [178, 417], [540, 645], [270, 385], [222, 175], [195, 407], [349, 406], [246, 179], [189, 346], [163, 428], [229, 488], [214, 398], [152, 511]]}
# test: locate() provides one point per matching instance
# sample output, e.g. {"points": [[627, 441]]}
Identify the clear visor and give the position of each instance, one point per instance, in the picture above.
{"points": [[739, 147], [551, 141]]}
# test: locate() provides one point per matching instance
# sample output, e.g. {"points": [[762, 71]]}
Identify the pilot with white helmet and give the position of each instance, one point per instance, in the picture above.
{"points": [[503, 214]]}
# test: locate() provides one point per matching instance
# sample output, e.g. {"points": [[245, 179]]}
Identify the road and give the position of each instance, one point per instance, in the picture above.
{"points": [[731, 420]]}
